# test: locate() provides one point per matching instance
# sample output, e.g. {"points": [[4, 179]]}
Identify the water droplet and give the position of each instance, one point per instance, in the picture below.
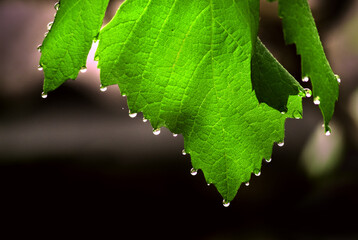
{"points": [[45, 34], [57, 6], [102, 88], [268, 160], [226, 203], [193, 171], [39, 48], [175, 135], [338, 78], [297, 114], [133, 115], [283, 113], [183, 152], [49, 26], [328, 131], [257, 172], [316, 100], [156, 132], [40, 68], [305, 79], [145, 120], [302, 94], [208, 184], [83, 69], [280, 144], [44, 95], [308, 92], [247, 184], [124, 95]]}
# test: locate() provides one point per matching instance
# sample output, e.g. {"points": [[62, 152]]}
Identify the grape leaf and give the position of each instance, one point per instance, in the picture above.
{"points": [[195, 67], [66, 46], [272, 83], [299, 28], [187, 66]]}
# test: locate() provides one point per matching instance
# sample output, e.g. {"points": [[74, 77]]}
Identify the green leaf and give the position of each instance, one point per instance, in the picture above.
{"points": [[65, 49], [187, 66], [299, 28], [272, 83]]}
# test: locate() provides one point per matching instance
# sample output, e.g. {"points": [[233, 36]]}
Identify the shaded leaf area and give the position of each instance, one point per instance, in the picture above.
{"points": [[187, 66], [272, 83], [65, 48], [300, 29]]}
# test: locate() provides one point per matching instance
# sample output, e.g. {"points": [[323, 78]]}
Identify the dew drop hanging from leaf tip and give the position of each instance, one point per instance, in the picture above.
{"points": [[49, 26], [83, 69], [328, 131], [338, 79], [257, 172], [57, 6], [156, 132], [193, 172], [317, 100], [226, 203], [132, 115], [308, 92], [102, 88]]}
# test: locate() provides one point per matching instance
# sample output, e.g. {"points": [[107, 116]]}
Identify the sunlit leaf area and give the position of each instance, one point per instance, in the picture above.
{"points": [[77, 157]]}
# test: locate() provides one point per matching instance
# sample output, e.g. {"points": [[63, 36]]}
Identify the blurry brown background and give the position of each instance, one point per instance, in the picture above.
{"points": [[76, 160]]}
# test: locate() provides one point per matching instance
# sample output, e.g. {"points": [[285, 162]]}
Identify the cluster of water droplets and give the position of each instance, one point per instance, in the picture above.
{"points": [[39, 47], [50, 24]]}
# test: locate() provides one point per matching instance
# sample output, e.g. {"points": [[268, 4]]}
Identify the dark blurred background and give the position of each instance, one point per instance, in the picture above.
{"points": [[77, 161]]}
